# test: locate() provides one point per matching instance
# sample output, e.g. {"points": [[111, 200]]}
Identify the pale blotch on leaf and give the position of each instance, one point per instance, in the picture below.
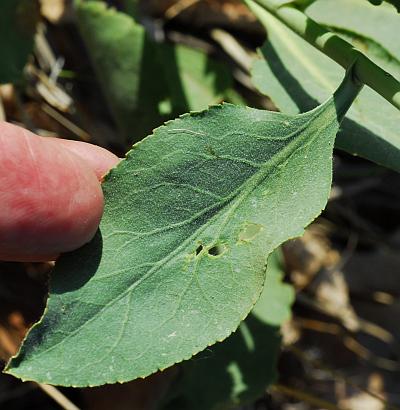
{"points": [[249, 232]]}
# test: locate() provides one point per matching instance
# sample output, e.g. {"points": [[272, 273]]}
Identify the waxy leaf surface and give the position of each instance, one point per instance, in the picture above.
{"points": [[179, 260]]}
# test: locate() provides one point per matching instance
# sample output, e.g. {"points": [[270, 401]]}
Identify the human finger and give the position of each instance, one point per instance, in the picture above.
{"points": [[50, 197]]}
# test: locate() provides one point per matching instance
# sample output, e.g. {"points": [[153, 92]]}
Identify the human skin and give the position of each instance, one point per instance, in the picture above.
{"points": [[50, 194]]}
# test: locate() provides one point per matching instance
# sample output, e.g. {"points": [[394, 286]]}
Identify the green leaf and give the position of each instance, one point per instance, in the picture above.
{"points": [[373, 30], [395, 3], [229, 374], [297, 77], [179, 260], [194, 80], [300, 4], [146, 83], [274, 305], [18, 20], [122, 56], [239, 370]]}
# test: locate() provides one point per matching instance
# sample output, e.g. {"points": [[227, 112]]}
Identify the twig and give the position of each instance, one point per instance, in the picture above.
{"points": [[339, 50], [362, 324], [305, 397], [352, 344], [338, 375], [178, 8], [43, 51], [2, 111], [233, 48], [58, 397], [65, 122], [50, 91], [361, 351], [10, 347]]}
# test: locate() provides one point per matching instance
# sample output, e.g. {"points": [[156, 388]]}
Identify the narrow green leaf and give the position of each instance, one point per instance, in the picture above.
{"points": [[238, 370], [298, 77], [18, 20], [179, 260]]}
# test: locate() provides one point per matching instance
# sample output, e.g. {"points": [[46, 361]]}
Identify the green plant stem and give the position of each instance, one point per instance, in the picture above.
{"points": [[347, 92], [334, 47]]}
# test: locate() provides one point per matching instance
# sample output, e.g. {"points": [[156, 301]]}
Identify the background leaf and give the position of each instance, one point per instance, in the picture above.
{"points": [[122, 57], [373, 30], [297, 77], [194, 80], [395, 3], [146, 83], [18, 20], [179, 260], [239, 370], [274, 305]]}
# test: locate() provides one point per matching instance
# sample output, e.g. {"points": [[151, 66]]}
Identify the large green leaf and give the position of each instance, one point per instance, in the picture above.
{"points": [[240, 369], [145, 83], [179, 260], [297, 77], [18, 20]]}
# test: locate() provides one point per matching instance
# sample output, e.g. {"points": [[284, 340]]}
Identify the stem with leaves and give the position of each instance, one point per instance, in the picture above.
{"points": [[335, 47]]}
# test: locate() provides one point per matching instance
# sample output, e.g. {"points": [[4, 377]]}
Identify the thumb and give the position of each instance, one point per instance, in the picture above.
{"points": [[50, 197]]}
